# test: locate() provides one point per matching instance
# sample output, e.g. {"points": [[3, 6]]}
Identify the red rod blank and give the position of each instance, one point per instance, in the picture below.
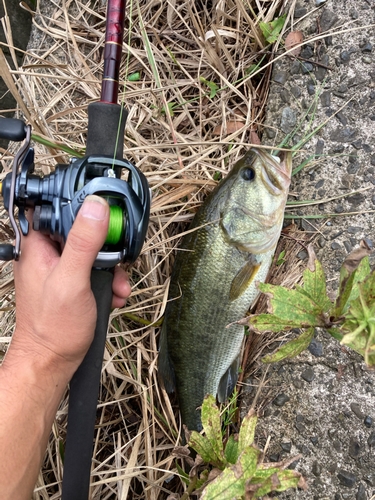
{"points": [[113, 49]]}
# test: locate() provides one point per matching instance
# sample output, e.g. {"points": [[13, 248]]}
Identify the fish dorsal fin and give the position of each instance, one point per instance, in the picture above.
{"points": [[244, 278]]}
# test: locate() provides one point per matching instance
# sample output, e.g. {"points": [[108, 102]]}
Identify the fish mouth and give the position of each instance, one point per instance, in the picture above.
{"points": [[276, 176]]}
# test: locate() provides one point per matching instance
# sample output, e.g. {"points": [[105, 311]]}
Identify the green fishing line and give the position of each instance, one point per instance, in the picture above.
{"points": [[116, 225]]}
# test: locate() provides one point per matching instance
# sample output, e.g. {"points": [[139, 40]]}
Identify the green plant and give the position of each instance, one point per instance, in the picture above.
{"points": [[271, 31], [237, 469], [214, 88], [229, 411], [350, 318], [281, 259], [134, 77]]}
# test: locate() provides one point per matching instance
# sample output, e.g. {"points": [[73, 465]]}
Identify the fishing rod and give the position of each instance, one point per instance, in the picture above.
{"points": [[56, 200]]}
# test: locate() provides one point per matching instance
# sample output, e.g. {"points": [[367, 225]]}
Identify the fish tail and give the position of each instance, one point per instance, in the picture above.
{"points": [[191, 415], [228, 381]]}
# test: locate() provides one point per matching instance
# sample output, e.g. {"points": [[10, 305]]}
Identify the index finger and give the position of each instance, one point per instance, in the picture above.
{"points": [[37, 248]]}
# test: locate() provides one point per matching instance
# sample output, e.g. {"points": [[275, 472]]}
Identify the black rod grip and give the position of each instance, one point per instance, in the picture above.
{"points": [[12, 129], [6, 252], [83, 398], [106, 127]]}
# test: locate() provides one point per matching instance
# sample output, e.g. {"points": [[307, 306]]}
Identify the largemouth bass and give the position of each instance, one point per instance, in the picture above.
{"points": [[213, 282]]}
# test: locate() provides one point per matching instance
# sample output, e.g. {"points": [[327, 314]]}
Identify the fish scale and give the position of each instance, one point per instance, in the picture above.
{"points": [[197, 347]]}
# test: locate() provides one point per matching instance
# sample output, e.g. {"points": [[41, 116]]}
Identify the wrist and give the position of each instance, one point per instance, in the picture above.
{"points": [[25, 355], [31, 388]]}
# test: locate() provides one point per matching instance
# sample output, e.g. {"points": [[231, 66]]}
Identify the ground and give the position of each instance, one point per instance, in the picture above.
{"points": [[325, 408]]}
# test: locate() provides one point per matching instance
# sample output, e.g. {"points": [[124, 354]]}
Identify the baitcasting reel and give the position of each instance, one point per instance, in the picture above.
{"points": [[57, 198]]}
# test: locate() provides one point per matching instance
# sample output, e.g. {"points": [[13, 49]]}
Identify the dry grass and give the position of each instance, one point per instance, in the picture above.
{"points": [[138, 423]]}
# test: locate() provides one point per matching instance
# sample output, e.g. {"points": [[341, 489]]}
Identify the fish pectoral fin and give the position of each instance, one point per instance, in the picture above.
{"points": [[166, 373], [228, 381], [243, 279]]}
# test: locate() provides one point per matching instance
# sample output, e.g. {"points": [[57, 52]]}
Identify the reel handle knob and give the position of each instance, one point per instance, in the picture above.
{"points": [[7, 252], [12, 129]]}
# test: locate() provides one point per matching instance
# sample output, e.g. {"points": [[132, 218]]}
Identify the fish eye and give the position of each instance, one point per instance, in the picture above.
{"points": [[248, 174]]}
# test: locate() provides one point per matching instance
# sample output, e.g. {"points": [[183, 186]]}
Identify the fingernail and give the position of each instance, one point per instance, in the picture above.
{"points": [[94, 207]]}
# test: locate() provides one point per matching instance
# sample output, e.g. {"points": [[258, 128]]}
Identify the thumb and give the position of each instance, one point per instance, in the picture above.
{"points": [[85, 239]]}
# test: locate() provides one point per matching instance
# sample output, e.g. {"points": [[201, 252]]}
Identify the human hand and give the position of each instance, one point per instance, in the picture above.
{"points": [[56, 309]]}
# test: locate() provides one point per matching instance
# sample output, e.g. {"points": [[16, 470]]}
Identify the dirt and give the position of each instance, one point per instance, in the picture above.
{"points": [[328, 411]]}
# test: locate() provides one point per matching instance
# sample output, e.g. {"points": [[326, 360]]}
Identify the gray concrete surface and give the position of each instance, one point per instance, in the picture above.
{"points": [[328, 394]]}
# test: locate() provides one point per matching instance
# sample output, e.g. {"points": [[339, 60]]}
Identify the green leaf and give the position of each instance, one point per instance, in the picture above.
{"points": [[173, 57], [210, 448], [231, 450], [225, 486], [292, 348], [361, 274], [287, 304], [303, 164], [272, 30], [345, 291], [203, 447], [280, 481], [356, 338], [263, 489], [269, 322], [294, 308], [214, 88], [49, 144], [314, 284], [150, 55], [202, 480], [250, 70], [336, 333], [134, 77], [360, 321], [183, 475], [288, 479], [248, 460], [354, 269], [231, 482], [212, 425], [171, 105], [281, 259], [262, 474], [368, 289], [229, 411], [247, 431]]}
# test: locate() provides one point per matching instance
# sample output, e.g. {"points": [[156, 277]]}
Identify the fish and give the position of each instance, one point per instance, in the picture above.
{"points": [[229, 247]]}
